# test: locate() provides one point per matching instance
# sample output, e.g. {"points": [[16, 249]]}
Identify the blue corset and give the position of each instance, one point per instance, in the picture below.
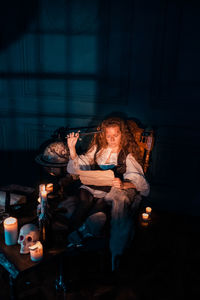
{"points": [[107, 166]]}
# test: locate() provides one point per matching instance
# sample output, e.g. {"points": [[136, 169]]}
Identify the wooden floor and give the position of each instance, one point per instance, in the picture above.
{"points": [[163, 263]]}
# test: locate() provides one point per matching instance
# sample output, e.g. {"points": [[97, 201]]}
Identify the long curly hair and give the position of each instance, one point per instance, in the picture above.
{"points": [[128, 129]]}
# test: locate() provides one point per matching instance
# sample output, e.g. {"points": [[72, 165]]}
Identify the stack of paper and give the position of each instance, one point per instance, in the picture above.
{"points": [[99, 178]]}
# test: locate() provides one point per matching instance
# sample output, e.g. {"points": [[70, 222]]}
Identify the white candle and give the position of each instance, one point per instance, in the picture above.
{"points": [[36, 251], [10, 231], [148, 210], [145, 216], [43, 196], [41, 189]]}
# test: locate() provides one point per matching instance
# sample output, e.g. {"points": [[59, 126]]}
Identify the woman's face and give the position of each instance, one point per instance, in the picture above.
{"points": [[113, 136]]}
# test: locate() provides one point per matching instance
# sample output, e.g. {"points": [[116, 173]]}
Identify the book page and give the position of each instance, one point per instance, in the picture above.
{"points": [[99, 178]]}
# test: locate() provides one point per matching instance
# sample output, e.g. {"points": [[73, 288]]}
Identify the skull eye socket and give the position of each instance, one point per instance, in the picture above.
{"points": [[21, 237], [29, 238]]}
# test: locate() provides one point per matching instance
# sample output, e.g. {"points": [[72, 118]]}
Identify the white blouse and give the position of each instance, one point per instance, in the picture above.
{"points": [[134, 172]]}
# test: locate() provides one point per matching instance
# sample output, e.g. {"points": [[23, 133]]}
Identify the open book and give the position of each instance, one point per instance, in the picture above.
{"points": [[99, 178]]}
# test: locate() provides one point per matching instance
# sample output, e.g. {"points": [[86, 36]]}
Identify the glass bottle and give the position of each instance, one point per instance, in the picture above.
{"points": [[44, 220]]}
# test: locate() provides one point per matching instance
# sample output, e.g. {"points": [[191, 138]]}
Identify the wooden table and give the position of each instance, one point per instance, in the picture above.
{"points": [[17, 264]]}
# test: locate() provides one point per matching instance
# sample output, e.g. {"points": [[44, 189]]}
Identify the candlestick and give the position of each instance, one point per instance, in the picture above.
{"points": [[38, 210], [10, 231], [36, 251]]}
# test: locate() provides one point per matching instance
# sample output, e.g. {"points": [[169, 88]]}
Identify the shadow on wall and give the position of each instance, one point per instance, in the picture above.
{"points": [[15, 16], [19, 167]]}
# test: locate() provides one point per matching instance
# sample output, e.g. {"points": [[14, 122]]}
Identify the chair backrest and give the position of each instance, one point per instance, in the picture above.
{"points": [[145, 140]]}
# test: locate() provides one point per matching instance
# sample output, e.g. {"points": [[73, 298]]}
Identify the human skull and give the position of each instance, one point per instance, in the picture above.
{"points": [[28, 235]]}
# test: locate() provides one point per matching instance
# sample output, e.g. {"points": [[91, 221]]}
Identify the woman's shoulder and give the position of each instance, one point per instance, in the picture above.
{"points": [[130, 156], [131, 160], [91, 151]]}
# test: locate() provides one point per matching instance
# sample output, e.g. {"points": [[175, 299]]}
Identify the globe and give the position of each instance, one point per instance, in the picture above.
{"points": [[54, 157]]}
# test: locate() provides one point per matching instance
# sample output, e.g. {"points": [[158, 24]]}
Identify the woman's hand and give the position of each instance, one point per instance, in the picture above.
{"points": [[118, 183], [123, 185], [72, 139]]}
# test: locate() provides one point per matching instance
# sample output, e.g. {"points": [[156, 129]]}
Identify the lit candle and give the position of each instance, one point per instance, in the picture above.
{"points": [[49, 188], [41, 188], [36, 251], [43, 196], [10, 231], [148, 210], [145, 216]]}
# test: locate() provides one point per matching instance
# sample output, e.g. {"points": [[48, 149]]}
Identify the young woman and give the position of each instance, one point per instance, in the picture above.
{"points": [[114, 147]]}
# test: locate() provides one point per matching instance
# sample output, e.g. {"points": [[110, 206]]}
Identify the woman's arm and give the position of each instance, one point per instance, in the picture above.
{"points": [[72, 139], [80, 162], [135, 175], [123, 185], [128, 185]]}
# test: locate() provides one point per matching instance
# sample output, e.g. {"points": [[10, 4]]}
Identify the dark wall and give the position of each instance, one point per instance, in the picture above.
{"points": [[69, 63]]}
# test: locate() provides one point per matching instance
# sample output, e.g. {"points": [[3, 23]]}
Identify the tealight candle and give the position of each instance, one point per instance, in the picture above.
{"points": [[148, 210], [10, 231], [49, 187], [36, 251], [145, 216]]}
